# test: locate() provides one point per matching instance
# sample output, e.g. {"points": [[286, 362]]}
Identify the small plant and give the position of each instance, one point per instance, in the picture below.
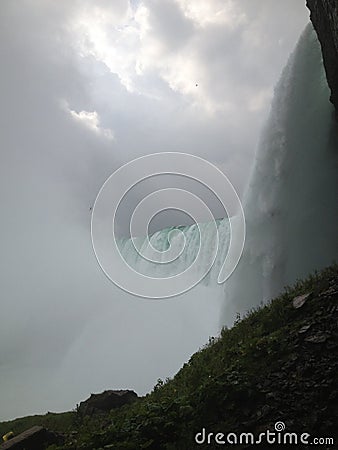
{"points": [[237, 318], [159, 384]]}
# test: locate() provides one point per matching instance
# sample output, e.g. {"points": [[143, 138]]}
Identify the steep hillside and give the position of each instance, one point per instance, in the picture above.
{"points": [[278, 364]]}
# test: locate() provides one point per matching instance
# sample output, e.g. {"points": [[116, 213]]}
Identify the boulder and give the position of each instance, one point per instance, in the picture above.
{"points": [[105, 401], [35, 438]]}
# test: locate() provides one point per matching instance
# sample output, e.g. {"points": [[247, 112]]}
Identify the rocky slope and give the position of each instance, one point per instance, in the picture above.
{"points": [[276, 367], [324, 16]]}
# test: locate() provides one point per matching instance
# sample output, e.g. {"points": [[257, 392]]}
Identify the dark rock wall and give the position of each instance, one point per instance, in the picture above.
{"points": [[324, 17]]}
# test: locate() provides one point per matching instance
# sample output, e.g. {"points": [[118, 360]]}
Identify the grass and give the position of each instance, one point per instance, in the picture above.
{"points": [[221, 387]]}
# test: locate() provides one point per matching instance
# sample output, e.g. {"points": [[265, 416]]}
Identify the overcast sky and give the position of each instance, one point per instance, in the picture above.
{"points": [[85, 87]]}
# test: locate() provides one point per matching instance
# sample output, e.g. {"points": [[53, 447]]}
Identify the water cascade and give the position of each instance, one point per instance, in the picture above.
{"points": [[289, 203]]}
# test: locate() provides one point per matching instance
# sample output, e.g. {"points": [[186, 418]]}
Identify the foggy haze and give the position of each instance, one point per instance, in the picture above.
{"points": [[85, 87]]}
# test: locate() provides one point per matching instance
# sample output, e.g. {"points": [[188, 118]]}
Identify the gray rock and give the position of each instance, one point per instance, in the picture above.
{"points": [[324, 17], [299, 301], [317, 338], [304, 329], [105, 401], [35, 438]]}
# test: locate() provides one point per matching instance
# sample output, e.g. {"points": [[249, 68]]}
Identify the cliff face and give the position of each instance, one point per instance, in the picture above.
{"points": [[324, 17]]}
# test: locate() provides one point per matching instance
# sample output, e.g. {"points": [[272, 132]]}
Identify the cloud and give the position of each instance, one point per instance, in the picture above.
{"points": [[91, 120], [218, 45], [226, 13]]}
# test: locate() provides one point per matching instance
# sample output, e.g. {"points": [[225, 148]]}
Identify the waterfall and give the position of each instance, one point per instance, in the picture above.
{"points": [[186, 238], [289, 202]]}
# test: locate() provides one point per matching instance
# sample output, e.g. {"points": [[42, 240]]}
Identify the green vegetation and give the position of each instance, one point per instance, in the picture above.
{"points": [[263, 370]]}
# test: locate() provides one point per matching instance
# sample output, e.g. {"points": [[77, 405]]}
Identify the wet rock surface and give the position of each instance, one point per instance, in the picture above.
{"points": [[303, 393], [324, 17]]}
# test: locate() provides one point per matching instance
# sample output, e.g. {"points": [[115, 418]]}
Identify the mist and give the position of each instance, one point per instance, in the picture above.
{"points": [[86, 88]]}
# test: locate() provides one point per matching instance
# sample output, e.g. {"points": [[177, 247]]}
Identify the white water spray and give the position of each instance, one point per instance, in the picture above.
{"points": [[179, 237], [290, 201]]}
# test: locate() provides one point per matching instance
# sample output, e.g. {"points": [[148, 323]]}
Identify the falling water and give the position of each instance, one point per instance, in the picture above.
{"points": [[186, 238], [289, 203]]}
